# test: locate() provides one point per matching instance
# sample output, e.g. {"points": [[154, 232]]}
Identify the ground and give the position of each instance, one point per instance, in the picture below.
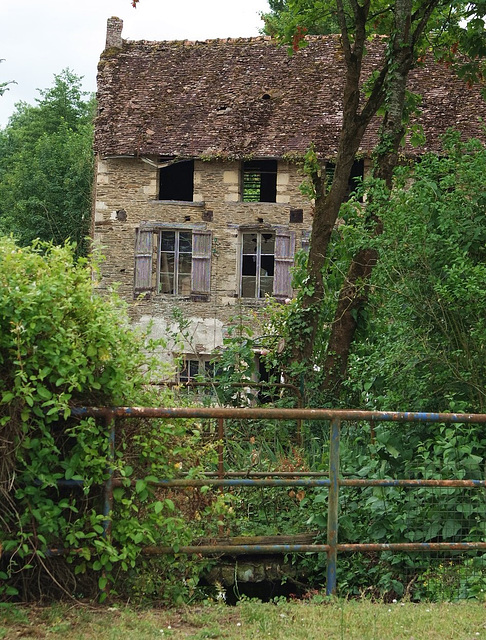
{"points": [[358, 620]]}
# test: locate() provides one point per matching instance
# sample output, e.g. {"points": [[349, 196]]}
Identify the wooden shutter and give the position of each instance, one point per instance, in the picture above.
{"points": [[201, 265], [284, 260], [143, 262]]}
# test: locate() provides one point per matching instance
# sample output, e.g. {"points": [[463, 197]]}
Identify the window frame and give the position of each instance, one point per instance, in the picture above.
{"points": [[148, 248], [284, 255], [185, 168], [177, 260], [262, 167], [204, 366], [258, 271]]}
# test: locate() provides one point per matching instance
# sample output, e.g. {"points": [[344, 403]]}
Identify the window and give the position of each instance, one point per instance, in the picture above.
{"points": [[257, 264], [175, 262], [172, 261], [266, 258], [357, 174], [176, 181], [192, 368], [259, 181]]}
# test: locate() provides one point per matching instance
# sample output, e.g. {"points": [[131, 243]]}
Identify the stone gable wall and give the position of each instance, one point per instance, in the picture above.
{"points": [[126, 196]]}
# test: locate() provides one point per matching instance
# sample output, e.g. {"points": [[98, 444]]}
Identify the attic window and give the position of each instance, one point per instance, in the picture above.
{"points": [[176, 181], [259, 181], [357, 174]]}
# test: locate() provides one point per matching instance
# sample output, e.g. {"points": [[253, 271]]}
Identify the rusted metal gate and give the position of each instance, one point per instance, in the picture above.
{"points": [[333, 481]]}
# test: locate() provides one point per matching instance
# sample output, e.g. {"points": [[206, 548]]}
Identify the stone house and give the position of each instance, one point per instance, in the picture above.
{"points": [[197, 204]]}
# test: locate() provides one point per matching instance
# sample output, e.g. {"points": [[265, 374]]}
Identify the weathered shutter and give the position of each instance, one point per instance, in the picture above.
{"points": [[143, 262], [284, 260], [201, 264], [306, 241]]}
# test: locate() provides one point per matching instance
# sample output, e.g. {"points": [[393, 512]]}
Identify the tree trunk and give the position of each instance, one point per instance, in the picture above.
{"points": [[354, 292], [327, 205]]}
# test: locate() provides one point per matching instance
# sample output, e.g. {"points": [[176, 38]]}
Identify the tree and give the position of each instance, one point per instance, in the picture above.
{"points": [[46, 166], [4, 85], [424, 343], [411, 28]]}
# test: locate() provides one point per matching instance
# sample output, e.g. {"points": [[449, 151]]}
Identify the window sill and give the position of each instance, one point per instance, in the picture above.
{"points": [[258, 204], [180, 203], [192, 297]]}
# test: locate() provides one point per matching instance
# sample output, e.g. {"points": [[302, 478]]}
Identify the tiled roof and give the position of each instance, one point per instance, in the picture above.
{"points": [[249, 97]]}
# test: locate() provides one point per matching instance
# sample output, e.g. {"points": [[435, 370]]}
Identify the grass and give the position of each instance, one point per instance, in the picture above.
{"points": [[360, 620]]}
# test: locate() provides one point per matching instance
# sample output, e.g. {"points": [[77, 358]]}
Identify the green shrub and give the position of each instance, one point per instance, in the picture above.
{"points": [[62, 345]]}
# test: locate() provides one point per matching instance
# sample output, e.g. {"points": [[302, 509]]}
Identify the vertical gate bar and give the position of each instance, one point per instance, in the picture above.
{"points": [[333, 506], [108, 492], [221, 459], [220, 448]]}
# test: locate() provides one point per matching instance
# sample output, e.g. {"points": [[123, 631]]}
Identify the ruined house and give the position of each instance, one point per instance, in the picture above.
{"points": [[197, 205]]}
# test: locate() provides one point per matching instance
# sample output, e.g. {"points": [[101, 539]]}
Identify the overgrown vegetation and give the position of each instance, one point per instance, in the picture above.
{"points": [[62, 345], [422, 350]]}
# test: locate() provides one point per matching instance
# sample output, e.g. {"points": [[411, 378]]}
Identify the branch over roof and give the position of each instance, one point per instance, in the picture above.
{"points": [[247, 97]]}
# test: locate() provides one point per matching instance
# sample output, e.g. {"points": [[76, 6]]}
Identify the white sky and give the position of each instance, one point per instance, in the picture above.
{"points": [[40, 38]]}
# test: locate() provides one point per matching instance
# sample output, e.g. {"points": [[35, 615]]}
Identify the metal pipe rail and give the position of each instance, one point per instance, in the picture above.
{"points": [[333, 482]]}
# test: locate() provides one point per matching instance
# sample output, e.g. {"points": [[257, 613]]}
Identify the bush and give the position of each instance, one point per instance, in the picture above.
{"points": [[62, 345]]}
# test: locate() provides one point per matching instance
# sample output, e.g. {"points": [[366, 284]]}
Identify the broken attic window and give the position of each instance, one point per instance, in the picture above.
{"points": [[176, 182], [357, 174], [259, 181]]}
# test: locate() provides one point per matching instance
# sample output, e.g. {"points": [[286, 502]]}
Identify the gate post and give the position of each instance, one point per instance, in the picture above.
{"points": [[333, 506]]}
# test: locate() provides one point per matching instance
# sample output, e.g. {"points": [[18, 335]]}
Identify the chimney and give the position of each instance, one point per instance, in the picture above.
{"points": [[114, 28]]}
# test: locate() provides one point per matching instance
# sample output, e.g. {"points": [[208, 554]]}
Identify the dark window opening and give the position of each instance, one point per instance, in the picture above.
{"points": [[357, 174], [177, 181], [259, 181]]}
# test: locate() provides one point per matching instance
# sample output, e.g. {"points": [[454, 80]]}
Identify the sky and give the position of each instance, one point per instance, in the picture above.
{"points": [[40, 38]]}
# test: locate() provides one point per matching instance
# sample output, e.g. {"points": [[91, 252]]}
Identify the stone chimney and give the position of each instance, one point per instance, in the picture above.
{"points": [[114, 28]]}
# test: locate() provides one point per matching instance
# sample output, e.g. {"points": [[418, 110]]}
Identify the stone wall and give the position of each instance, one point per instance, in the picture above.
{"points": [[127, 191]]}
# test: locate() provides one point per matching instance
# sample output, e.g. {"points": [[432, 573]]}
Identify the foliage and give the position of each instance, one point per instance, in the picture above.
{"points": [[46, 166], [4, 85], [423, 348], [61, 345], [452, 32]]}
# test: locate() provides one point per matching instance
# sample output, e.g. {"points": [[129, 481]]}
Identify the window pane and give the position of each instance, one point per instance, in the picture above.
{"points": [[248, 266], [183, 373], [268, 243], [167, 262], [166, 282], [168, 241], [266, 286], [267, 266], [185, 263], [193, 368], [249, 243], [248, 287], [185, 242]]}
